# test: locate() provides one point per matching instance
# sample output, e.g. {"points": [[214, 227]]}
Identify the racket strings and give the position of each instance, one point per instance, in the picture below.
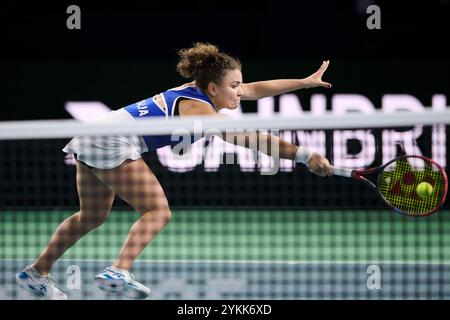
{"points": [[398, 184]]}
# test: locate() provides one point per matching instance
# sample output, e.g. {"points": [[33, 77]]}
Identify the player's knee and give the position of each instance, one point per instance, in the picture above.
{"points": [[157, 217], [91, 221], [164, 213], [168, 215], [159, 208]]}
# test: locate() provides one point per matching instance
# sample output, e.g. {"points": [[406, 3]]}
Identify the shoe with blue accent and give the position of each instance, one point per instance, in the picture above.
{"points": [[120, 281], [42, 287]]}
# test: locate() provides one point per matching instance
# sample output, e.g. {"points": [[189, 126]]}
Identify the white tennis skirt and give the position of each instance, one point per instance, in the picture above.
{"points": [[108, 152]]}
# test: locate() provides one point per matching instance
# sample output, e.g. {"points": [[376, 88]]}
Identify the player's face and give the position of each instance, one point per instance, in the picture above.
{"points": [[228, 93]]}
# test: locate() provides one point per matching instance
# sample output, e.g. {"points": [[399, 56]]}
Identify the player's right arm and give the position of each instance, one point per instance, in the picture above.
{"points": [[273, 145]]}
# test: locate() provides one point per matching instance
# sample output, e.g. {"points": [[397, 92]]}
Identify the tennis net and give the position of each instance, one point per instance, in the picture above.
{"points": [[243, 225]]}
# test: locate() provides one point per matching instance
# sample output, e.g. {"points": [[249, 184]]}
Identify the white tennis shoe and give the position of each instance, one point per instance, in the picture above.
{"points": [[42, 287], [120, 281]]}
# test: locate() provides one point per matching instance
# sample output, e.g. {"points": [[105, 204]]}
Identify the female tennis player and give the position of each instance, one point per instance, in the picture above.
{"points": [[114, 166]]}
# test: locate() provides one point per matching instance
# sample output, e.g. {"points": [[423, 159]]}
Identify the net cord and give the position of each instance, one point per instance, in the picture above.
{"points": [[41, 129]]}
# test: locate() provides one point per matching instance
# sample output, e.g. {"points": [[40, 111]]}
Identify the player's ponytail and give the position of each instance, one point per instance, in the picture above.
{"points": [[204, 63]]}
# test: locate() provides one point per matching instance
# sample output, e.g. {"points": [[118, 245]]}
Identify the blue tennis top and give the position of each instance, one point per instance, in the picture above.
{"points": [[171, 98]]}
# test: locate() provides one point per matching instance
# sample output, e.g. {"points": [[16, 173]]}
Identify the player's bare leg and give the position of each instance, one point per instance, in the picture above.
{"points": [[134, 182], [95, 204]]}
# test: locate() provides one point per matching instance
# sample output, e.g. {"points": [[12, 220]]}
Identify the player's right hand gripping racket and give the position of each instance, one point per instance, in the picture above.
{"points": [[398, 180]]}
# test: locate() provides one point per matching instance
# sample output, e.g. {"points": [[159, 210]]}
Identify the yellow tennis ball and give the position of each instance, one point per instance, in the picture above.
{"points": [[424, 189]]}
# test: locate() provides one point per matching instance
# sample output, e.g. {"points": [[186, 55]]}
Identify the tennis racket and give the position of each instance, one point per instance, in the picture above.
{"points": [[397, 183]]}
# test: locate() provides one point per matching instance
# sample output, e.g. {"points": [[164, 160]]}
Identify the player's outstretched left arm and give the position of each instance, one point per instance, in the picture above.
{"points": [[269, 88]]}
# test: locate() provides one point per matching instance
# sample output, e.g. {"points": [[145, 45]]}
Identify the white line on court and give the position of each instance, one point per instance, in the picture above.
{"points": [[292, 262]]}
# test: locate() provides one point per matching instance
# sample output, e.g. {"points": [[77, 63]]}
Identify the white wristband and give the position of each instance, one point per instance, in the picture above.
{"points": [[303, 155]]}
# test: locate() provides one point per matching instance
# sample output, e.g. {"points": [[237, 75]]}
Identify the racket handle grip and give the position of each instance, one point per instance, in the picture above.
{"points": [[343, 172]]}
